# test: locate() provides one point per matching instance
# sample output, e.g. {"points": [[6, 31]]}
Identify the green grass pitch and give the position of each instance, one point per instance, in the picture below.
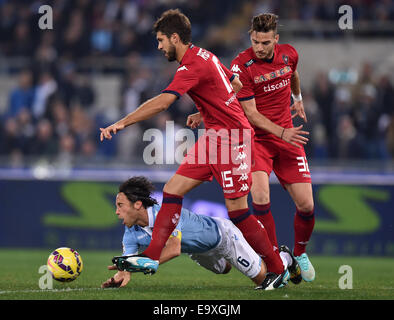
{"points": [[182, 279]]}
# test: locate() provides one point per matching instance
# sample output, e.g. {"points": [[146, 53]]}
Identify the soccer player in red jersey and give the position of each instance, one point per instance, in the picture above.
{"points": [[207, 81], [268, 72]]}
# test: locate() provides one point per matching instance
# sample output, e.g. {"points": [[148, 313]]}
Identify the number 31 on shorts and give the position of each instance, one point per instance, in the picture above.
{"points": [[303, 164]]}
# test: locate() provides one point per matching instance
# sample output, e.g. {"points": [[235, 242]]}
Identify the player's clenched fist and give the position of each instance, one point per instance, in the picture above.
{"points": [[106, 132]]}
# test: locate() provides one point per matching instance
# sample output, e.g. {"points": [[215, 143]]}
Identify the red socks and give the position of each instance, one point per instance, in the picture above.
{"points": [[257, 237], [303, 227], [263, 213], [166, 220]]}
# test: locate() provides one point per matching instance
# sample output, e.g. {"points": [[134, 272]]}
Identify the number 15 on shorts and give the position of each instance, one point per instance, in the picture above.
{"points": [[226, 179]]}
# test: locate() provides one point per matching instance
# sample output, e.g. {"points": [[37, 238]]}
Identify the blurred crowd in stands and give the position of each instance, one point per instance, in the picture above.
{"points": [[51, 113]]}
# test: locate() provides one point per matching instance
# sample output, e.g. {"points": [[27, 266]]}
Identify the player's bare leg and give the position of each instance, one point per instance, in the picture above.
{"points": [[260, 191], [302, 195], [304, 221], [180, 185]]}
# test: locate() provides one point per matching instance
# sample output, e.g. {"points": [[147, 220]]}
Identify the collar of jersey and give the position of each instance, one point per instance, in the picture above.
{"points": [[187, 51]]}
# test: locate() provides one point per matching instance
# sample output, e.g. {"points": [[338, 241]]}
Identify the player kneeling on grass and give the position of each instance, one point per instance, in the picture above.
{"points": [[214, 243]]}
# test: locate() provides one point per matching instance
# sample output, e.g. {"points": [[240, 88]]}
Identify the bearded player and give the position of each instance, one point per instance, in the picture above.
{"points": [[268, 72], [211, 86]]}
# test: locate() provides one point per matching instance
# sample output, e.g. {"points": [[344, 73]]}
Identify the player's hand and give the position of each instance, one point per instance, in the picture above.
{"points": [[194, 120], [120, 279], [298, 107], [295, 136], [112, 129]]}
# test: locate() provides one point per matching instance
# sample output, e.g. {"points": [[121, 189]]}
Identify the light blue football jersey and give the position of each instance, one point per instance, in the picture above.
{"points": [[199, 233]]}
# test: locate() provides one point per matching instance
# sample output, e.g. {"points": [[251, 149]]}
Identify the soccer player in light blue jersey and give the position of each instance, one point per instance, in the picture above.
{"points": [[214, 243]]}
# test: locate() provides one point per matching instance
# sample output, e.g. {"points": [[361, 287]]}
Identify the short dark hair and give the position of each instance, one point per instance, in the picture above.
{"points": [[138, 189], [264, 22], [174, 21]]}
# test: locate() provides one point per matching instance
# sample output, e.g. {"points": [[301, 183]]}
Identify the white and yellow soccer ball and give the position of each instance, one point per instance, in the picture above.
{"points": [[65, 264]]}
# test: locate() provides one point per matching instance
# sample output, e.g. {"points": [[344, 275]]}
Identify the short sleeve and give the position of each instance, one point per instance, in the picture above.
{"points": [[247, 91], [293, 58], [130, 245], [227, 72], [295, 64], [186, 77]]}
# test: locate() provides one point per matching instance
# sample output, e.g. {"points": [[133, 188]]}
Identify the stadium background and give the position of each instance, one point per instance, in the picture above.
{"points": [[57, 87]]}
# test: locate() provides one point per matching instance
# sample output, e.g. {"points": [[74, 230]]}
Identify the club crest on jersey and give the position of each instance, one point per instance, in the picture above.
{"points": [[272, 75], [285, 59]]}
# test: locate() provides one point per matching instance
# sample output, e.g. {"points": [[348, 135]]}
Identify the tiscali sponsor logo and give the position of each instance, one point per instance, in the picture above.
{"points": [[273, 87]]}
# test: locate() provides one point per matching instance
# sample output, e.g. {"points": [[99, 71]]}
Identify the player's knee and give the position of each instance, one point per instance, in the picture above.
{"points": [[261, 197], [168, 188], [172, 188], [306, 206]]}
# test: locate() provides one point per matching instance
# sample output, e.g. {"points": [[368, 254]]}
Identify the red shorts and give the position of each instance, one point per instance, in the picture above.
{"points": [[288, 162], [230, 164]]}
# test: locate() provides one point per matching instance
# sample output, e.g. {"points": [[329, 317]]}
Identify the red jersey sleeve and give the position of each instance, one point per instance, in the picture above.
{"points": [[186, 77], [228, 73], [240, 70], [293, 57]]}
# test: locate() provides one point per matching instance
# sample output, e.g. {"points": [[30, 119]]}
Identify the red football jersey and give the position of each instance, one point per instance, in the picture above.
{"points": [[207, 81], [268, 82]]}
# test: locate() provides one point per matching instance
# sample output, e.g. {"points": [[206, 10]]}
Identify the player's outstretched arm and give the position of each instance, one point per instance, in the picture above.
{"points": [[294, 136], [146, 111], [171, 250], [120, 279]]}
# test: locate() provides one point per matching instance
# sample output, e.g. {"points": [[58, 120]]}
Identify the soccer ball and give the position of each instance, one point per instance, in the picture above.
{"points": [[65, 264]]}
